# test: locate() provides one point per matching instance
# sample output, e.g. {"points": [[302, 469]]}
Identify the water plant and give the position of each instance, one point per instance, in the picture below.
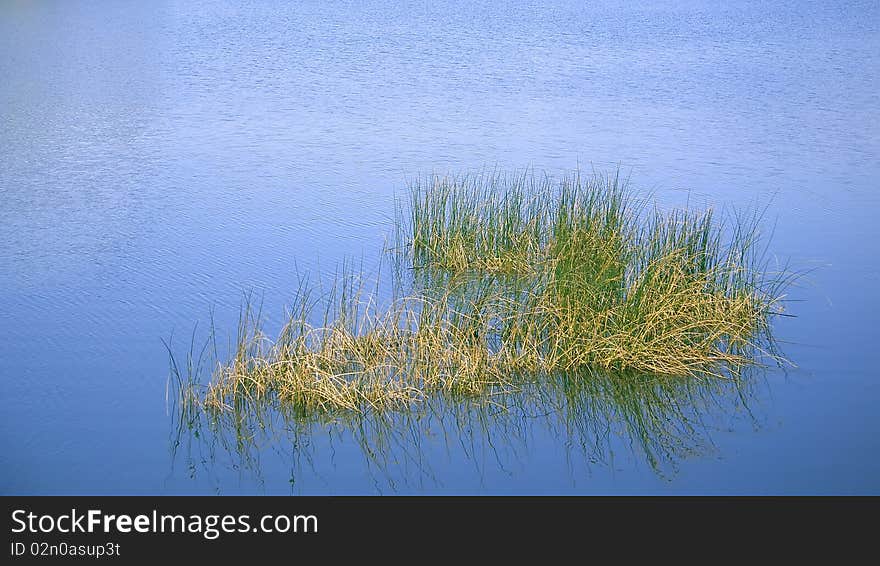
{"points": [[611, 284], [510, 298], [504, 281]]}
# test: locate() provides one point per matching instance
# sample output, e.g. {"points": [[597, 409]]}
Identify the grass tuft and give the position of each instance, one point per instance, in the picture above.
{"points": [[516, 278]]}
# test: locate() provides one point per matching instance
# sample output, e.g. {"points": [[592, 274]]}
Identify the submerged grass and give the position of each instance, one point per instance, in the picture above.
{"points": [[516, 278]]}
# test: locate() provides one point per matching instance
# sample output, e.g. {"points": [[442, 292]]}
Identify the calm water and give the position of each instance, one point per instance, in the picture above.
{"points": [[157, 159]]}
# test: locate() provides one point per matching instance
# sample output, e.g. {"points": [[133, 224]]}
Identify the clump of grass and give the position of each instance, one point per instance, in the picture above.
{"points": [[507, 224], [473, 222], [613, 286], [521, 277], [358, 359]]}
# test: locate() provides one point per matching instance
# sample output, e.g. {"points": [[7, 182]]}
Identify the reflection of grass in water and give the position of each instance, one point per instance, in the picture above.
{"points": [[566, 289], [662, 419]]}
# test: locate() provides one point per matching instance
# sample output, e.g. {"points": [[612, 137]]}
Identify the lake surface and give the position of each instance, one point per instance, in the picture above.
{"points": [[159, 159]]}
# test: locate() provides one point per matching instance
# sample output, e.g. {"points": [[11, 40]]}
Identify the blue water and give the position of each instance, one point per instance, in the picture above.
{"points": [[157, 159]]}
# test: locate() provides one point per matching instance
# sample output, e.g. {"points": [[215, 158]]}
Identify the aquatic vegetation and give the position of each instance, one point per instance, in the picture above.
{"points": [[509, 280], [612, 285]]}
